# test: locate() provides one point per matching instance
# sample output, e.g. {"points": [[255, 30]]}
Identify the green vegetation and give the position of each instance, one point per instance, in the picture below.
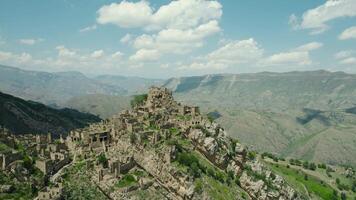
{"points": [[251, 155], [302, 181], [103, 160], [127, 180], [78, 184], [138, 100]]}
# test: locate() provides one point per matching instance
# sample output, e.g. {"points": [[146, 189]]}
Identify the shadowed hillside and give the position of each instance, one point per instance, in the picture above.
{"points": [[21, 116]]}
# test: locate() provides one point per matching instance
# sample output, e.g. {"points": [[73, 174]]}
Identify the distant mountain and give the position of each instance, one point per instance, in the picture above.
{"points": [[309, 115], [20, 116], [100, 104], [271, 91], [133, 85], [51, 88]]}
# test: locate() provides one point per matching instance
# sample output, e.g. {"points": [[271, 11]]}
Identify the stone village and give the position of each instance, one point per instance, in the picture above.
{"points": [[132, 140]]}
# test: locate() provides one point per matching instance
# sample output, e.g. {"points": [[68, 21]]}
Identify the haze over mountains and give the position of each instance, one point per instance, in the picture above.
{"points": [[300, 114], [307, 115]]}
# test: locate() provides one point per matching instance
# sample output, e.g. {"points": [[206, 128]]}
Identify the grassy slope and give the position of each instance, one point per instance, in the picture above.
{"points": [[318, 185]]}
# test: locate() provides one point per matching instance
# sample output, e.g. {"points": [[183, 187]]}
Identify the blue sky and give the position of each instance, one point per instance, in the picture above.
{"points": [[178, 38]]}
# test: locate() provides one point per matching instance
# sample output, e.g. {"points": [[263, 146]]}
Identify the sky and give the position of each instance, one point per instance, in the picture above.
{"points": [[161, 38]]}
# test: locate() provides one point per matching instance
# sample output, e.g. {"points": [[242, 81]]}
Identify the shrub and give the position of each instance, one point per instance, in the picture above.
{"points": [[312, 166], [251, 155], [198, 187], [103, 160], [322, 166], [138, 100]]}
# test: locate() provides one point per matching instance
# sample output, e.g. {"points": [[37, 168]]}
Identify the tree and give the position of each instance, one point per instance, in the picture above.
{"points": [[312, 166], [305, 177], [343, 196]]}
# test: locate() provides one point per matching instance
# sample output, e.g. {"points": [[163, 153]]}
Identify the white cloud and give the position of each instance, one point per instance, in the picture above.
{"points": [[343, 54], [309, 46], [88, 28], [126, 39], [176, 41], [30, 41], [5, 55], [297, 57], [349, 61], [232, 54], [145, 55], [125, 14], [287, 58], [349, 33], [183, 14], [65, 52], [175, 28], [316, 19], [97, 54], [117, 55]]}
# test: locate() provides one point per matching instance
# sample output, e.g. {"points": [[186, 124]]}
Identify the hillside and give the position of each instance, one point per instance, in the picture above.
{"points": [[159, 149], [99, 104], [20, 116], [134, 85], [51, 88], [162, 149], [306, 115]]}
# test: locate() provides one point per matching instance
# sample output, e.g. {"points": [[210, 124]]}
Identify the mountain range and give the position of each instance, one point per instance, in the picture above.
{"points": [[308, 115]]}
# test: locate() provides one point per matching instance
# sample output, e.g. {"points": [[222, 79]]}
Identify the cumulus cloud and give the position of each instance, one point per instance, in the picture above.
{"points": [[97, 54], [175, 28], [175, 40], [349, 33], [30, 41], [117, 55], [297, 57], [125, 14], [233, 53], [287, 58], [5, 55], [243, 53], [181, 14], [145, 55], [316, 19], [346, 57], [88, 28], [349, 61]]}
